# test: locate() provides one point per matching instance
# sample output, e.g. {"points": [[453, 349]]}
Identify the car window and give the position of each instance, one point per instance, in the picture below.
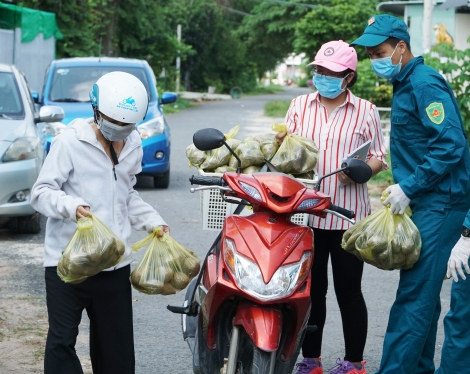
{"points": [[73, 84], [11, 105]]}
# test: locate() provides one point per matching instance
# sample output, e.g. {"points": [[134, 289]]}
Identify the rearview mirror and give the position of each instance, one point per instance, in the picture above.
{"points": [[208, 139], [51, 114], [35, 96], [357, 170], [168, 98]]}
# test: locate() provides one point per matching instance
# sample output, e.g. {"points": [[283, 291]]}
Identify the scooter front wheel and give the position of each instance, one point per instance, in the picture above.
{"points": [[251, 359], [261, 361]]}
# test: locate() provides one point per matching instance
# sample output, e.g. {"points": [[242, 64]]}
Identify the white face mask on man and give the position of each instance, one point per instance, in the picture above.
{"points": [[114, 132]]}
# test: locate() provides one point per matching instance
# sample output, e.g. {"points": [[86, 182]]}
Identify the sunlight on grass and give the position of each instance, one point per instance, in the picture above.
{"points": [[178, 105], [276, 108], [265, 90]]}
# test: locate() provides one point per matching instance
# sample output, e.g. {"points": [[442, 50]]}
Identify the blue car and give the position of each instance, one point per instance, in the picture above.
{"points": [[67, 84]]}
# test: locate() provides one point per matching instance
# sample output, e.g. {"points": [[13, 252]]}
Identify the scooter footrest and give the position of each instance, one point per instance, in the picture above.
{"points": [[182, 310]]}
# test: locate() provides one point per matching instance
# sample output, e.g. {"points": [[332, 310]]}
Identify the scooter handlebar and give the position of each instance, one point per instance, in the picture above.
{"points": [[207, 181], [345, 212]]}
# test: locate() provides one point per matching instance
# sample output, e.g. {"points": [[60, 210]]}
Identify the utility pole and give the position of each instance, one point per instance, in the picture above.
{"points": [[427, 25], [178, 59]]}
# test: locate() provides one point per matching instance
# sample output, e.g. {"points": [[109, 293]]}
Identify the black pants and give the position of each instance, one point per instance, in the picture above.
{"points": [[347, 276], [107, 299]]}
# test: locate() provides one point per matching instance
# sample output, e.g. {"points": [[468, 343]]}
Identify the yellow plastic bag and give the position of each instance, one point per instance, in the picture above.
{"points": [[221, 156], [195, 156], [166, 267], [385, 240], [296, 154], [93, 248], [268, 145], [249, 153]]}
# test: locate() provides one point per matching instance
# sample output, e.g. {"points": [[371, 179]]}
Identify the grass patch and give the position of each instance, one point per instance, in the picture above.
{"points": [[265, 90], [2, 335], [276, 108], [38, 354], [178, 105]]}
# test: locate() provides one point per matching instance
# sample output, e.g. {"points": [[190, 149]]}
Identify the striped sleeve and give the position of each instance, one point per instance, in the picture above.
{"points": [[291, 116]]}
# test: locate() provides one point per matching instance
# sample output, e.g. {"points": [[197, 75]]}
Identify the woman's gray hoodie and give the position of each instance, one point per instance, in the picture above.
{"points": [[77, 171]]}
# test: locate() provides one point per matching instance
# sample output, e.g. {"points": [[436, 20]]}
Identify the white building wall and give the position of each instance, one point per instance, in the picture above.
{"points": [[33, 58], [7, 45], [462, 31]]}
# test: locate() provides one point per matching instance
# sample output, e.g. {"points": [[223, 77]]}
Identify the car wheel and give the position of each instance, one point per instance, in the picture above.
{"points": [[163, 180], [28, 224]]}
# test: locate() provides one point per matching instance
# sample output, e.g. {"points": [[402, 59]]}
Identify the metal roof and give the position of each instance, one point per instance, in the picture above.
{"points": [[398, 7]]}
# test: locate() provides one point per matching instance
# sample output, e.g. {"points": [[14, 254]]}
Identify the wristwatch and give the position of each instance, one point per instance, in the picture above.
{"points": [[465, 232]]}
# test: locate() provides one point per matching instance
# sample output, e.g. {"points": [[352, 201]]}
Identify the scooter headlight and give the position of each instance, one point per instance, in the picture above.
{"points": [[249, 278], [307, 204], [252, 191]]}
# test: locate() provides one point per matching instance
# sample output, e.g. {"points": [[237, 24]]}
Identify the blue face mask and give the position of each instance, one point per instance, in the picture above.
{"points": [[329, 87], [384, 67]]}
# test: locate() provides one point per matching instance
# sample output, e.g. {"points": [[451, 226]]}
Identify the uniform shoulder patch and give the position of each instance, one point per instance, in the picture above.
{"points": [[435, 112]]}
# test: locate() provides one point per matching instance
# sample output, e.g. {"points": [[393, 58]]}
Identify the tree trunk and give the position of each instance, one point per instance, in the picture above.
{"points": [[110, 23]]}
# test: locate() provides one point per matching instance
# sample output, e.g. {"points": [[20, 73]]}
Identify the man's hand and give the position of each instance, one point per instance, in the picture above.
{"points": [[397, 199], [82, 212], [458, 257], [160, 230]]}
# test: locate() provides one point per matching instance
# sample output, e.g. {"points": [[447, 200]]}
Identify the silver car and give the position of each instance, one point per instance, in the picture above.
{"points": [[22, 149]]}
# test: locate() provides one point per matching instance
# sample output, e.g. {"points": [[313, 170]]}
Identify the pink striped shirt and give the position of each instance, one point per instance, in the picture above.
{"points": [[348, 126]]}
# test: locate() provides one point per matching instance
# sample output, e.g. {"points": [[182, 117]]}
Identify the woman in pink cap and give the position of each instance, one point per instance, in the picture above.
{"points": [[338, 122]]}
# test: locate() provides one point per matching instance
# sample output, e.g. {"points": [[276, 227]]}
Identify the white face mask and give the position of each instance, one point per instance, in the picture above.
{"points": [[114, 132]]}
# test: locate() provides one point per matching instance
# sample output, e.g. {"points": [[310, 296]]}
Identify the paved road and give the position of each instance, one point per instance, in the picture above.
{"points": [[159, 345]]}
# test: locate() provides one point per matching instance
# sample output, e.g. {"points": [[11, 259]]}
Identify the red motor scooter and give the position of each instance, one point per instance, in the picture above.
{"points": [[248, 309]]}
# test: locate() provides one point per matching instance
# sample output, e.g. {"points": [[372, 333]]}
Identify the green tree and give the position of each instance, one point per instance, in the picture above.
{"points": [[269, 32], [454, 65], [370, 87], [337, 20], [76, 21], [218, 58]]}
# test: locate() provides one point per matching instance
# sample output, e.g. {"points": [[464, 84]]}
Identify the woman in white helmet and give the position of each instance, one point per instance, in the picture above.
{"points": [[92, 167]]}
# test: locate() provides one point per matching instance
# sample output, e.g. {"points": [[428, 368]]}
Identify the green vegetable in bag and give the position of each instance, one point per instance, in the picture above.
{"points": [[296, 154], [385, 240], [195, 156], [251, 169], [224, 169], [166, 267], [93, 248], [268, 145], [221, 156], [249, 153]]}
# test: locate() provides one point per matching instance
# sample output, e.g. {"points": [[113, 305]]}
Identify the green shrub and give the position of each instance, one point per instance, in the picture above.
{"points": [[454, 65], [303, 82], [264, 90], [276, 108], [384, 177], [370, 87], [178, 105]]}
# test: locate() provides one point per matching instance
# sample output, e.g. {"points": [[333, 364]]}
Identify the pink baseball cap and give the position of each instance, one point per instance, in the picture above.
{"points": [[336, 56]]}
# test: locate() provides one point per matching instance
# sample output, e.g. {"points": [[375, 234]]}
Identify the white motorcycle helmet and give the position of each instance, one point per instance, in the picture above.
{"points": [[120, 96]]}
